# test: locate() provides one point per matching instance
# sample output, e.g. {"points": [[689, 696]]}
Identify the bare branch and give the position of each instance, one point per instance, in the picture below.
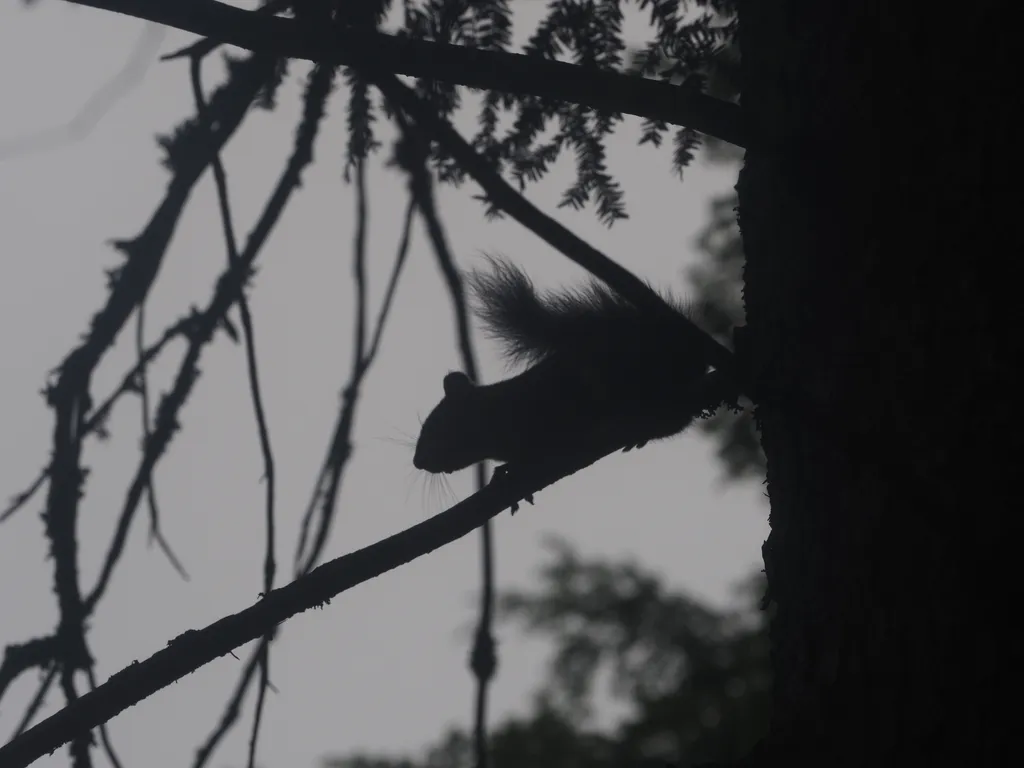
{"points": [[195, 648]]}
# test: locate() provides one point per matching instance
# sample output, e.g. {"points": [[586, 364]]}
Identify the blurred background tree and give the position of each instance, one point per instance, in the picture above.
{"points": [[692, 681]]}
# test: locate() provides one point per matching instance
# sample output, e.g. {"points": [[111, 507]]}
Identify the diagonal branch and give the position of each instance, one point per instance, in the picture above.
{"points": [[195, 648], [492, 70]]}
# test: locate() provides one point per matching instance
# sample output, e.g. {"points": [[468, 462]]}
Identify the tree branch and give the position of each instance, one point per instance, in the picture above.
{"points": [[492, 70], [195, 648]]}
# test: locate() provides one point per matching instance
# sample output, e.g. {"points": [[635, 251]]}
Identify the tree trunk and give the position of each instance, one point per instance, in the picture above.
{"points": [[878, 230]]}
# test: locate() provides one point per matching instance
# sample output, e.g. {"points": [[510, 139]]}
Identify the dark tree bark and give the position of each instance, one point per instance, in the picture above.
{"points": [[877, 216]]}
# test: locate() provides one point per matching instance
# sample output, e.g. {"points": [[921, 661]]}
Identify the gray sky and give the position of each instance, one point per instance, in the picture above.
{"points": [[383, 667]]}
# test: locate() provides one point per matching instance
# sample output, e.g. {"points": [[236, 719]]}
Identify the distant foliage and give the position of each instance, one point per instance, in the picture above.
{"points": [[695, 679]]}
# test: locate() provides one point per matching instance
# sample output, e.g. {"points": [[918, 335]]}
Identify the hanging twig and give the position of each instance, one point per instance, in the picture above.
{"points": [[252, 369], [412, 155]]}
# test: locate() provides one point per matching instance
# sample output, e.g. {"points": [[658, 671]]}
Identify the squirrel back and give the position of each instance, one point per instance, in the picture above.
{"points": [[596, 362]]}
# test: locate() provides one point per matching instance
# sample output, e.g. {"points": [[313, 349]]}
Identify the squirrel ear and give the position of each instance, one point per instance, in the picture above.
{"points": [[456, 383]]}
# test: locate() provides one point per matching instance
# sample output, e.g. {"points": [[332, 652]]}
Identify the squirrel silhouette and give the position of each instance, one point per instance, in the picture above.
{"points": [[597, 365]]}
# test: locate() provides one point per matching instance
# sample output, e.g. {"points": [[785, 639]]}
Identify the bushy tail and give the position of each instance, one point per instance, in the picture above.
{"points": [[533, 325]]}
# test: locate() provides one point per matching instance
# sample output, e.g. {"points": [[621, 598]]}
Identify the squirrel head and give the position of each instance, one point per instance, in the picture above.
{"points": [[453, 433]]}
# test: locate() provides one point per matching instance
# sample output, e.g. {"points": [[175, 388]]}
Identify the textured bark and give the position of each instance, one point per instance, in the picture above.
{"points": [[876, 209]]}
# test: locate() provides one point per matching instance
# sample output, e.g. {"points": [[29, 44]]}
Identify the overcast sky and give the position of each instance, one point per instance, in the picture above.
{"points": [[383, 667]]}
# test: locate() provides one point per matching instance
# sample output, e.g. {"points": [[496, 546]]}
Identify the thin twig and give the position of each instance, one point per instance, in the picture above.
{"points": [[249, 336], [396, 271], [21, 657], [261, 698], [269, 562], [100, 414], [329, 483], [483, 661], [155, 534], [37, 701], [21, 499], [232, 709], [228, 288], [328, 480]]}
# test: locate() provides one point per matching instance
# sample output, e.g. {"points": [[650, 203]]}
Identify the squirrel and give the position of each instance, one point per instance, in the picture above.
{"points": [[595, 362]]}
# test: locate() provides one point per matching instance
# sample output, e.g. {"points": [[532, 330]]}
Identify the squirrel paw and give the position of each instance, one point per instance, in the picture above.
{"points": [[515, 504], [503, 471], [641, 444]]}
